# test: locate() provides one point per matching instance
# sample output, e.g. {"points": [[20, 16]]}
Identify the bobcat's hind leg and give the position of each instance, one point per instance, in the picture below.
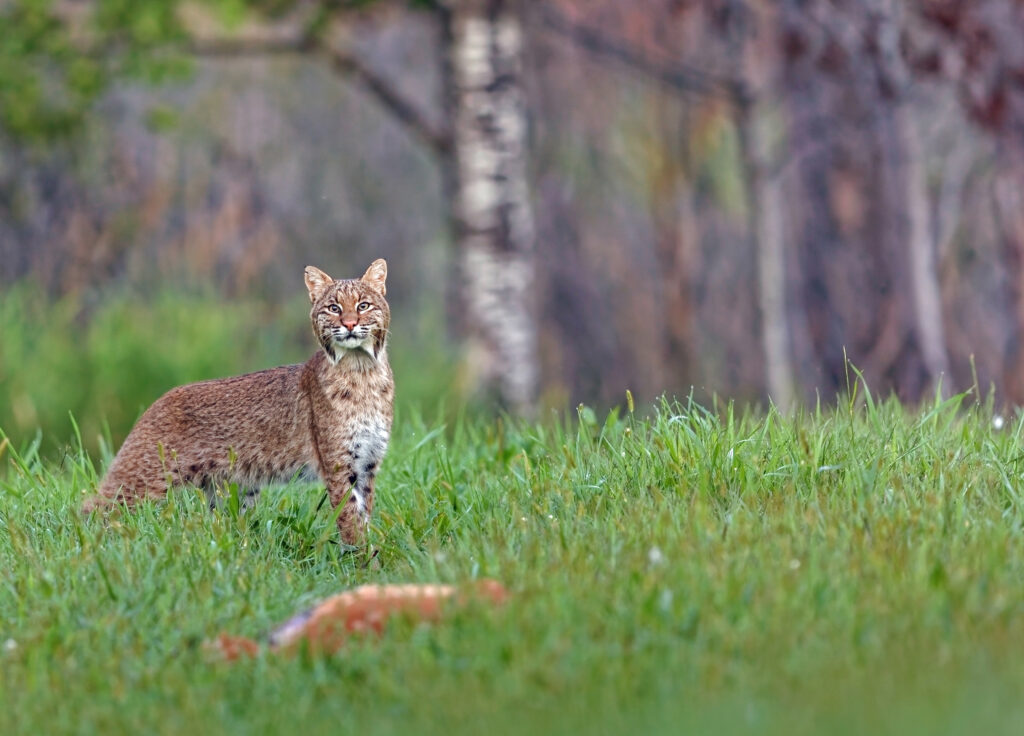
{"points": [[247, 498], [252, 495], [106, 499], [121, 489], [99, 503]]}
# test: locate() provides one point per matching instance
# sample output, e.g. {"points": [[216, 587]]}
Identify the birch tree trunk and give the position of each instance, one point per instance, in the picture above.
{"points": [[764, 202], [494, 225], [756, 117]]}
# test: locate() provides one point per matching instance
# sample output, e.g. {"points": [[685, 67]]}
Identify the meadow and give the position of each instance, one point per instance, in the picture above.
{"points": [[857, 568]]}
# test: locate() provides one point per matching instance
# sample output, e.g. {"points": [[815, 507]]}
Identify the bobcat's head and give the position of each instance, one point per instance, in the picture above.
{"points": [[350, 314]]}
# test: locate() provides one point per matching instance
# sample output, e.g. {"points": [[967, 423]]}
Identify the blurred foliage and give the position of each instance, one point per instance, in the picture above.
{"points": [[106, 363], [56, 59]]}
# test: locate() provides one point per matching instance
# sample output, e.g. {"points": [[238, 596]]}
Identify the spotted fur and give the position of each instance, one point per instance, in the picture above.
{"points": [[329, 417]]}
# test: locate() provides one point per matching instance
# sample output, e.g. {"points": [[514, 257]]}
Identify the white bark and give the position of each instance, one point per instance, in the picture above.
{"points": [[494, 219], [765, 205], [757, 67], [771, 276]]}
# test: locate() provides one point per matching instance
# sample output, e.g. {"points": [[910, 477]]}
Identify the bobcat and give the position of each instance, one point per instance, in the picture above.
{"points": [[329, 417]]}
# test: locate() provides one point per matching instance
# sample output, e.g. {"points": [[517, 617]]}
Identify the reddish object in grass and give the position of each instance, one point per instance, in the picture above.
{"points": [[325, 627]]}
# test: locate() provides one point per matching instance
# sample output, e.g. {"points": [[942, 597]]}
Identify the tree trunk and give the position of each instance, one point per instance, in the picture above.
{"points": [[894, 78], [764, 207], [757, 77], [494, 225], [921, 242], [1008, 199], [869, 290]]}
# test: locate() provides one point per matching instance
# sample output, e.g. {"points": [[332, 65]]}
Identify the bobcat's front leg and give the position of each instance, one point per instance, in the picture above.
{"points": [[355, 514], [351, 487]]}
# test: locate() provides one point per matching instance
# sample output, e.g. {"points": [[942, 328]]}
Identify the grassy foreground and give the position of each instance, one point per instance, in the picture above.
{"points": [[855, 570]]}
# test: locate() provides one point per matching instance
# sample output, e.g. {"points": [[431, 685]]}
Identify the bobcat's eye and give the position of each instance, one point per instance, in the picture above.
{"points": [[363, 306], [335, 308]]}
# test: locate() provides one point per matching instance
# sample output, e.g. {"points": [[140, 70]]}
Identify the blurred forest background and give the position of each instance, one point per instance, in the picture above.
{"points": [[575, 197]]}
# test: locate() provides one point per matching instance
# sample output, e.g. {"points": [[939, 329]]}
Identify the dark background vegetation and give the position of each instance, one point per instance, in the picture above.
{"points": [[731, 197]]}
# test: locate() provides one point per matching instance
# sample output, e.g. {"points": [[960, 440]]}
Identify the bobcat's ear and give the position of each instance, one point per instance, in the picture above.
{"points": [[316, 282], [376, 274]]}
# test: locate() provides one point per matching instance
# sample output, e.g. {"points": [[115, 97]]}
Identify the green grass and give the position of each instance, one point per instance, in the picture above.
{"points": [[845, 571]]}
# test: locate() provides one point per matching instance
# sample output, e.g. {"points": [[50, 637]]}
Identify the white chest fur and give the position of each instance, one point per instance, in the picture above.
{"points": [[370, 435]]}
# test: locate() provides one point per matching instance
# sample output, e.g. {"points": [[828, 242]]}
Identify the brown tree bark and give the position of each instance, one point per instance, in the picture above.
{"points": [[869, 289], [1008, 203], [894, 78], [921, 244]]}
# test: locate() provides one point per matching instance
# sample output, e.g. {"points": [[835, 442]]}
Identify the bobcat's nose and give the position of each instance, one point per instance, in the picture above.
{"points": [[349, 323]]}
